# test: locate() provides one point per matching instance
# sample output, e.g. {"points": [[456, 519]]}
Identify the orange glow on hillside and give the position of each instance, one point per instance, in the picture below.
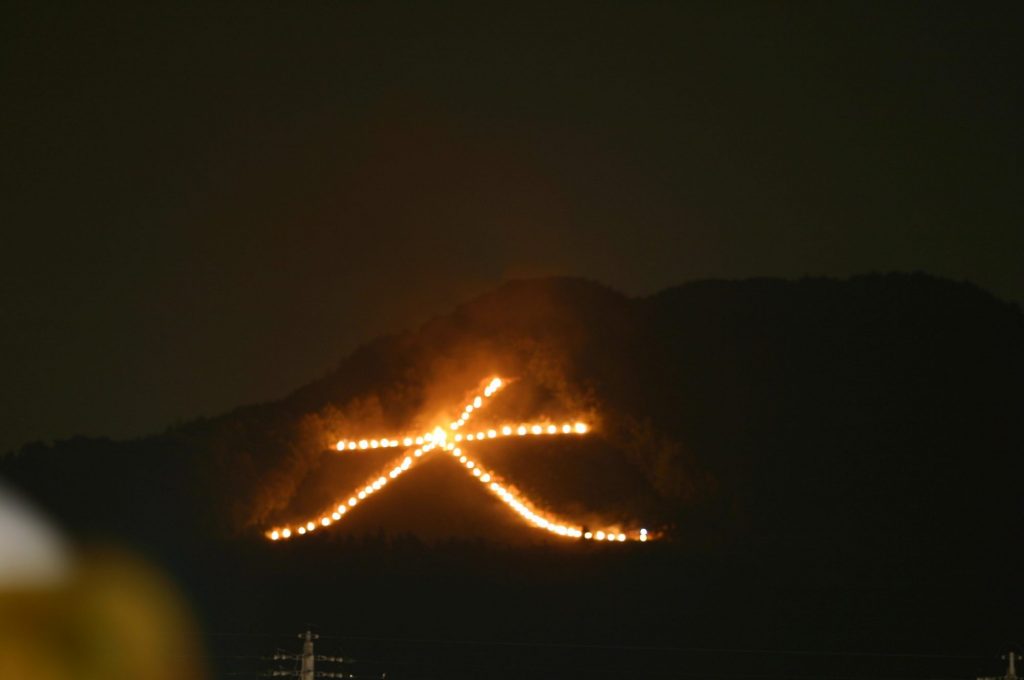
{"points": [[450, 440]]}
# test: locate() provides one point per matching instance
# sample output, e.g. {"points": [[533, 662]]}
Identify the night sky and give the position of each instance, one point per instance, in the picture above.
{"points": [[208, 207]]}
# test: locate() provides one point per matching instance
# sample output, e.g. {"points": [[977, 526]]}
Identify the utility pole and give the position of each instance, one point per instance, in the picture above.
{"points": [[307, 662], [307, 655], [1011, 668]]}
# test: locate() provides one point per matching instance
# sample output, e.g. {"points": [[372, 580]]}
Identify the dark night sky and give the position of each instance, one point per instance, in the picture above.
{"points": [[204, 208]]}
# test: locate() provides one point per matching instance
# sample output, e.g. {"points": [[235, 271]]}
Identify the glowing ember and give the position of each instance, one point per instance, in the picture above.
{"points": [[439, 439]]}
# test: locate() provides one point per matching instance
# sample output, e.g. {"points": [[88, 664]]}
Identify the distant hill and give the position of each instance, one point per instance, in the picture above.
{"points": [[864, 433]]}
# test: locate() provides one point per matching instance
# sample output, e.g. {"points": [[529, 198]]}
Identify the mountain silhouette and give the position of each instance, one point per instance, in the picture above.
{"points": [[794, 441]]}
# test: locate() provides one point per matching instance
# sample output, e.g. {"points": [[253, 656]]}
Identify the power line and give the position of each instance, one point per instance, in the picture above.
{"points": [[661, 648], [766, 651]]}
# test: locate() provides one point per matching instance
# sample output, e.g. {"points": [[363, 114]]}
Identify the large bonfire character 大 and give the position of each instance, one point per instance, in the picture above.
{"points": [[454, 440]]}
